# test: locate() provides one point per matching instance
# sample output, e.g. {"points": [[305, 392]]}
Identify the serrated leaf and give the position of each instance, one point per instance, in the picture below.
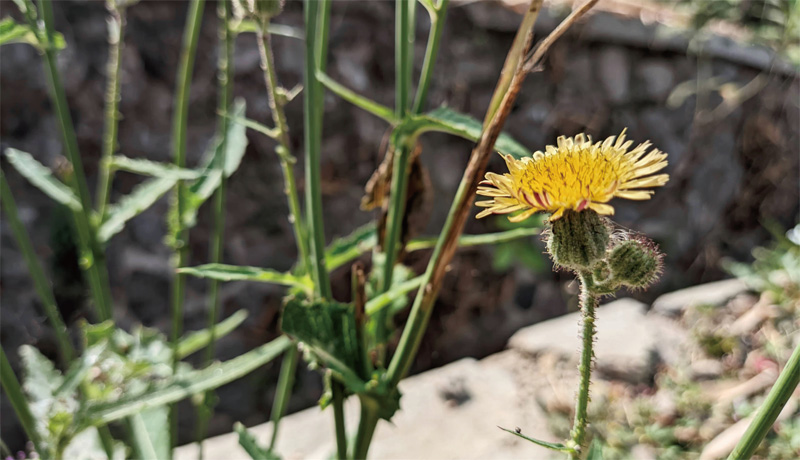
{"points": [[198, 340], [343, 250], [251, 446], [187, 384], [329, 328], [224, 272], [41, 379], [462, 125], [42, 178], [151, 168], [142, 197], [218, 161]]}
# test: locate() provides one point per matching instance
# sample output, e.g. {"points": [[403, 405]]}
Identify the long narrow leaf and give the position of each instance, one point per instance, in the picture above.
{"points": [[550, 445], [198, 340], [141, 198], [150, 433], [343, 250], [380, 111], [380, 302], [447, 120], [42, 178], [224, 272], [185, 385], [151, 168]]}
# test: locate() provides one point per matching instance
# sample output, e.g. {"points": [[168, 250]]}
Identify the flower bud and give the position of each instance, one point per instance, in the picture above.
{"points": [[635, 262], [578, 240]]}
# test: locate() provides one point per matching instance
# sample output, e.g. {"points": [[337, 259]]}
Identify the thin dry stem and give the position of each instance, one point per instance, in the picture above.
{"points": [[541, 49]]}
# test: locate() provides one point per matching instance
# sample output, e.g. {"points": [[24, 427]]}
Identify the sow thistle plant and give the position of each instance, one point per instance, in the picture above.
{"points": [[69, 410], [574, 181]]}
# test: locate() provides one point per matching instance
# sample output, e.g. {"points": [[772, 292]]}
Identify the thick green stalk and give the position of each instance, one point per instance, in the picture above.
{"points": [[92, 257], [276, 103], [765, 417], [180, 115], [283, 392], [313, 105], [116, 34], [14, 393], [216, 244], [366, 427], [437, 16], [337, 389], [588, 306], [404, 54], [40, 283]]}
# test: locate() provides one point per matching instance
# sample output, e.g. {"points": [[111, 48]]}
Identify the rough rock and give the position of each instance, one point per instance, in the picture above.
{"points": [[450, 412], [674, 303], [627, 340]]}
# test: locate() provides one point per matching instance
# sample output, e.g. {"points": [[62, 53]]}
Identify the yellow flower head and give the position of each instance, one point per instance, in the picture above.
{"points": [[576, 174]]}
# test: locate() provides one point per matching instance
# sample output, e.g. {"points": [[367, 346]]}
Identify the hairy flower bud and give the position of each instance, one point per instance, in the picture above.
{"points": [[635, 262], [578, 240]]}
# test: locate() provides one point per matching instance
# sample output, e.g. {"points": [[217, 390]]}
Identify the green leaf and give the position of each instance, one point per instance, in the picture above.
{"points": [[151, 168], [219, 161], [142, 197], [42, 178], [79, 369], [329, 328], [223, 272], [449, 121], [595, 450], [150, 433], [198, 340], [184, 385], [378, 303], [251, 446], [273, 29], [13, 32], [550, 445], [345, 249]]}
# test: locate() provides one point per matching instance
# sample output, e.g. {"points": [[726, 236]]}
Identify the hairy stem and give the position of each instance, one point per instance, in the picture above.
{"points": [[116, 34], [276, 102], [588, 306]]}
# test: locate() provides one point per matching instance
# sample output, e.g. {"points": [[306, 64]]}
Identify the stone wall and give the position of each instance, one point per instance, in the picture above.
{"points": [[729, 174]]}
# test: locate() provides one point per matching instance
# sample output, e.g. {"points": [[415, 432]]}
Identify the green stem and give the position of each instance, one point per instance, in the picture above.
{"points": [[92, 257], [397, 207], [313, 105], [588, 306], [180, 115], [404, 54], [276, 102], [116, 36], [283, 392], [366, 427], [40, 283], [337, 388], [225, 88], [765, 417], [14, 393], [431, 51]]}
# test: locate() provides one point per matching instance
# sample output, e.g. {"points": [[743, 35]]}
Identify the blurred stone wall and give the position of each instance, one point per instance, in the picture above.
{"points": [[730, 173]]}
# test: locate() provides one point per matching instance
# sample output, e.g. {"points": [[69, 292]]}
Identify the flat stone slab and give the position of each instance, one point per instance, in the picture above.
{"points": [[447, 413], [626, 345], [717, 293]]}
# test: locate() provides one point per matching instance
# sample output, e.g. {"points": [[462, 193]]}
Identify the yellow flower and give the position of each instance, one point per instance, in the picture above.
{"points": [[577, 174]]}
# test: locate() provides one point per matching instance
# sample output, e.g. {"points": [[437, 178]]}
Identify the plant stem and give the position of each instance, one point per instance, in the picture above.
{"points": [[366, 427], [431, 51], [180, 115], [116, 34], [216, 244], [283, 392], [588, 306], [313, 106], [40, 283], [404, 54], [276, 102], [337, 389], [92, 258], [20, 404], [765, 417]]}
